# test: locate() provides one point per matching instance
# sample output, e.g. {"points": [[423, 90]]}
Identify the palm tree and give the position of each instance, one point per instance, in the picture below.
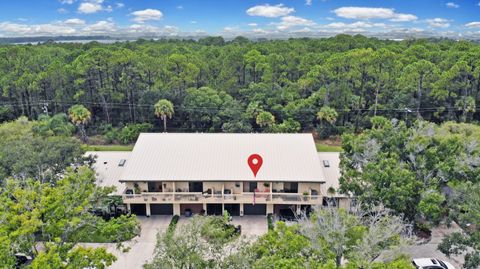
{"points": [[327, 114], [80, 116], [164, 109]]}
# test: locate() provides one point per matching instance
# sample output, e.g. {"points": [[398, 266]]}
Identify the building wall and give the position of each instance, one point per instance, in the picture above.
{"points": [[307, 187], [143, 186], [235, 189], [214, 186], [182, 185], [277, 186]]}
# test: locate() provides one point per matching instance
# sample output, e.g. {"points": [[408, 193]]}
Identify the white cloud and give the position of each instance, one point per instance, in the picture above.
{"points": [[354, 25], [90, 7], [68, 2], [74, 22], [180, 7], [365, 13], [293, 21], [403, 17], [62, 11], [147, 15], [16, 29], [308, 2], [438, 23], [452, 5], [253, 24], [230, 29], [193, 22], [120, 5], [100, 27], [270, 11], [473, 24]]}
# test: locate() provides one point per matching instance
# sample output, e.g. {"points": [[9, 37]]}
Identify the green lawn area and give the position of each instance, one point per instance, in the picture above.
{"points": [[327, 148], [107, 147]]}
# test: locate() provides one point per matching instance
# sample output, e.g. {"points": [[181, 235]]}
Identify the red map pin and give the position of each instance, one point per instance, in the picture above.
{"points": [[255, 161]]}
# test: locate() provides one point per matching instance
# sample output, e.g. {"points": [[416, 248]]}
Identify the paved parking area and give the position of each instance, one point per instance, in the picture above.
{"points": [[141, 247], [252, 226], [429, 250]]}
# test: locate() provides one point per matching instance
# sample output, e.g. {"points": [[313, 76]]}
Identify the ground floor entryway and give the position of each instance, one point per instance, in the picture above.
{"points": [[255, 209], [188, 209], [286, 212], [161, 209], [214, 209], [138, 209], [232, 209]]}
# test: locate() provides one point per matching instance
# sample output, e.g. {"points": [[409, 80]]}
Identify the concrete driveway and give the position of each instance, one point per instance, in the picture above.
{"points": [[141, 247]]}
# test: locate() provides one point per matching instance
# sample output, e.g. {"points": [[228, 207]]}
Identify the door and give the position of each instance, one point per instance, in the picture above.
{"points": [[195, 186], [161, 209], [214, 209], [232, 209], [290, 187], [252, 186], [257, 209], [139, 209]]}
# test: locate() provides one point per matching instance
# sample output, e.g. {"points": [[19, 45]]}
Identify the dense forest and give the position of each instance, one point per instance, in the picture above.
{"points": [[337, 83]]}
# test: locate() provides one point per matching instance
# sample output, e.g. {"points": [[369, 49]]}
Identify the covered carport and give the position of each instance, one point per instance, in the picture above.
{"points": [[232, 209], [193, 208], [255, 209], [138, 209], [161, 209], [286, 212], [214, 209]]}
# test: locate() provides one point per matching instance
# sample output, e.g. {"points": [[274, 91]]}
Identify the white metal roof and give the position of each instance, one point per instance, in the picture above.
{"points": [[107, 170], [332, 173], [222, 157]]}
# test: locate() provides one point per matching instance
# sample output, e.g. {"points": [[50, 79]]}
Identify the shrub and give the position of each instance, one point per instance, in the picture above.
{"points": [[173, 224], [130, 133], [271, 226]]}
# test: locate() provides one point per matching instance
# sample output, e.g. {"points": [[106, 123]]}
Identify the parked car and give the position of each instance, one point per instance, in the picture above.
{"points": [[429, 263], [22, 260]]}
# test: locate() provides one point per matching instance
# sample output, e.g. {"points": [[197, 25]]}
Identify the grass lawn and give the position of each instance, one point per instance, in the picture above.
{"points": [[327, 148], [107, 147]]}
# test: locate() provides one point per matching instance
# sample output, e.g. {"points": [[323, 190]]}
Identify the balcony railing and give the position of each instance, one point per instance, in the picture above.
{"points": [[198, 197]]}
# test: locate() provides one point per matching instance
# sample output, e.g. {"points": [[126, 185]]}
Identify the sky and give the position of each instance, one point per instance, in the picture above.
{"points": [[251, 18]]}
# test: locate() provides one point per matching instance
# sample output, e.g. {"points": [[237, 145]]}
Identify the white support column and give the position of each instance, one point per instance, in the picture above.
{"points": [[147, 205], [241, 210], [129, 208], [271, 192], [176, 209], [269, 209]]}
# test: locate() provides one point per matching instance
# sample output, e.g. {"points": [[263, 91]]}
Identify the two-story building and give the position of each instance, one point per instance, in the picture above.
{"points": [[208, 173]]}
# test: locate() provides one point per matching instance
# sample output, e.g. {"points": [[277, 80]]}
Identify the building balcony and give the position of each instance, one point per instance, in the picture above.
{"points": [[198, 197]]}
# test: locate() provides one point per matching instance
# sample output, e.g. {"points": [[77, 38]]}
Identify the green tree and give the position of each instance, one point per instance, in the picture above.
{"points": [[80, 116], [465, 210], [265, 119], [360, 237], [164, 109], [286, 247]]}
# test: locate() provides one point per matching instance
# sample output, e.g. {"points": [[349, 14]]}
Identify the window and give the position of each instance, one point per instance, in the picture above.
{"points": [[326, 163]]}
